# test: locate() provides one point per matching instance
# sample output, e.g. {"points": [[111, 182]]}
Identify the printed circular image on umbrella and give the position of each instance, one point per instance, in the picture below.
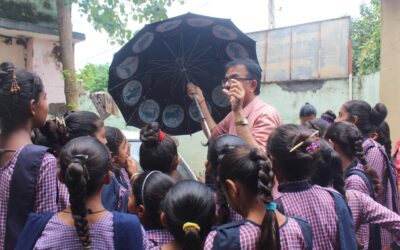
{"points": [[132, 92], [168, 25], [199, 22], [149, 111], [143, 42], [219, 98], [194, 112], [128, 67], [173, 116], [224, 33], [235, 51]]}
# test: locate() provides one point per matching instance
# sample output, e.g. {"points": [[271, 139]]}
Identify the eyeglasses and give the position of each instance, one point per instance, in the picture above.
{"points": [[226, 81]]}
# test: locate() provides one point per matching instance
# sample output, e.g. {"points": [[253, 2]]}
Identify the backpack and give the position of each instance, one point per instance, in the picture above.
{"points": [[228, 235], [22, 194], [127, 231]]}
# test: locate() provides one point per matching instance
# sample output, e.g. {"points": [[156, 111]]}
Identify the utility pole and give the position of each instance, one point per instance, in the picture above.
{"points": [[271, 14]]}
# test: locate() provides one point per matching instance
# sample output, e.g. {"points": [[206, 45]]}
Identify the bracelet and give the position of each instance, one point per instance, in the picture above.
{"points": [[133, 176]]}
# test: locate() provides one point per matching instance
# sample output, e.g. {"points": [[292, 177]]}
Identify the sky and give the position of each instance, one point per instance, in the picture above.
{"points": [[248, 15]]}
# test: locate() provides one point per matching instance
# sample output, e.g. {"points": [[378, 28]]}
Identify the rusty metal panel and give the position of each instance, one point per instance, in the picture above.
{"points": [[334, 61], [277, 67], [313, 51]]}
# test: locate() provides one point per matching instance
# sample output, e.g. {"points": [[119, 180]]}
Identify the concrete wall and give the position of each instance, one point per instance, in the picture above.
{"points": [[390, 63], [329, 94], [12, 52], [41, 61]]}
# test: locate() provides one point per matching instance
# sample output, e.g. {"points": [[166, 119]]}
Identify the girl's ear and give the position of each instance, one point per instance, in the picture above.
{"points": [[141, 211], [163, 219], [231, 189]]}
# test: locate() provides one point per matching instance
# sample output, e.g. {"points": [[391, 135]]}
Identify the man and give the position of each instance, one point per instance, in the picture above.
{"points": [[251, 118]]}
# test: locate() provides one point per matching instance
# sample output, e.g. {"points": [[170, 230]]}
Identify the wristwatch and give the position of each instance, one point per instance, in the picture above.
{"points": [[242, 122]]}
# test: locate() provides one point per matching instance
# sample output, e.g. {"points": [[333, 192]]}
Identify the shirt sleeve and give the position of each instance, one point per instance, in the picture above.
{"points": [[376, 161], [221, 128], [46, 188], [375, 213], [262, 128], [146, 243], [210, 240]]}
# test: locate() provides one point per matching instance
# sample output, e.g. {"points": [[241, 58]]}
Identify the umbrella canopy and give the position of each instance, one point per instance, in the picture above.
{"points": [[148, 76]]}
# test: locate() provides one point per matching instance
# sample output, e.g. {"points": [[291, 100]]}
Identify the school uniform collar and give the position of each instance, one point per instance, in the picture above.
{"points": [[296, 186]]}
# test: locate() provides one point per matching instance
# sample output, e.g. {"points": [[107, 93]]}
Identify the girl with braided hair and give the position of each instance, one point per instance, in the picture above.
{"points": [[247, 179], [28, 181], [365, 211], [84, 168], [292, 150]]}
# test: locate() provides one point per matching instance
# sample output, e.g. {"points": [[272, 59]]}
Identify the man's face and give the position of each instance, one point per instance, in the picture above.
{"points": [[240, 73]]}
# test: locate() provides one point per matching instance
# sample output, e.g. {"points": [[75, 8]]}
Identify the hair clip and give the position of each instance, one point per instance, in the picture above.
{"points": [[83, 158], [302, 142], [161, 136], [313, 147], [14, 84]]}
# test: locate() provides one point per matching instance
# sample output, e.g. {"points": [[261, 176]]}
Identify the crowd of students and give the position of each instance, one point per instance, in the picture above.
{"points": [[70, 183]]}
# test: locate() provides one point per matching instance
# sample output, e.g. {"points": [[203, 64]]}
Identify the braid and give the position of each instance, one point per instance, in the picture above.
{"points": [[76, 184], [270, 225], [371, 173], [338, 183]]}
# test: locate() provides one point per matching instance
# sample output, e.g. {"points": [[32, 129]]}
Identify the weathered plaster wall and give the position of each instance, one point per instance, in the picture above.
{"points": [[12, 52], [42, 61]]}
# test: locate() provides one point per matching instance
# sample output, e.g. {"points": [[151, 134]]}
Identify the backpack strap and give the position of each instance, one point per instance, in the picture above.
{"points": [[345, 226], [228, 236], [374, 229], [365, 178], [33, 229], [391, 175], [110, 194], [127, 232], [22, 194], [306, 230]]}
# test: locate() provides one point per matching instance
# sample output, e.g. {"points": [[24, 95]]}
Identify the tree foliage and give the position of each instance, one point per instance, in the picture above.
{"points": [[94, 77], [113, 16], [366, 39]]}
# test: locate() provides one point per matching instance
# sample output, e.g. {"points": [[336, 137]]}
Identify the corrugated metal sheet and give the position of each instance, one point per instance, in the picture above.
{"points": [[318, 50]]}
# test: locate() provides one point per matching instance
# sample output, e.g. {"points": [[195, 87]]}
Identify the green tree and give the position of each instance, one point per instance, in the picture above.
{"points": [[110, 16], [366, 39], [94, 77]]}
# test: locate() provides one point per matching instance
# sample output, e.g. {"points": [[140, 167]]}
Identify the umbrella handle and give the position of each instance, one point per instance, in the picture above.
{"points": [[203, 119]]}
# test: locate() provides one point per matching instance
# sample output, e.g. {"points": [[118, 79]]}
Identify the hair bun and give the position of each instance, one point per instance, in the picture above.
{"points": [[150, 134], [6, 69], [75, 170], [378, 114]]}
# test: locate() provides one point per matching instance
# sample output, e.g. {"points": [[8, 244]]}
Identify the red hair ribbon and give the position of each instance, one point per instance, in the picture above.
{"points": [[161, 136]]}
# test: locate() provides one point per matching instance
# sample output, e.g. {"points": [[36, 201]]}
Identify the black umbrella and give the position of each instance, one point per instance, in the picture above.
{"points": [[148, 76]]}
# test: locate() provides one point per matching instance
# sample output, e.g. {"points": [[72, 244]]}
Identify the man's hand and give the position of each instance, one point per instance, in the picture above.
{"points": [[194, 91], [236, 95]]}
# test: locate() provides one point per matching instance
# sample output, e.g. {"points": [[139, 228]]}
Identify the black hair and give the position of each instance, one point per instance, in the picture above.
{"points": [[244, 165], [295, 165], [368, 118], [82, 123], [189, 201], [154, 190], [307, 109], [329, 116], [253, 69], [384, 137], [328, 169], [318, 124], [155, 154], [14, 105], [115, 138], [51, 135], [84, 163], [216, 148], [347, 136]]}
